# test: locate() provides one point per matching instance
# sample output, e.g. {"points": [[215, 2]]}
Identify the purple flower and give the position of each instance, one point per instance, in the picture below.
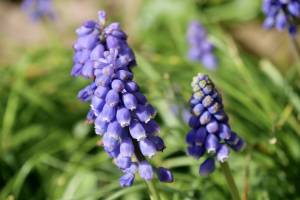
{"points": [[145, 170], [210, 131], [121, 114], [164, 175], [207, 167], [201, 49], [38, 9], [127, 180], [148, 148], [281, 14]]}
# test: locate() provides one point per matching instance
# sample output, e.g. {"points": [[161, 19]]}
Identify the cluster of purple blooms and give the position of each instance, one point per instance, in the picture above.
{"points": [[38, 9], [120, 112], [282, 14], [210, 132], [201, 49]]}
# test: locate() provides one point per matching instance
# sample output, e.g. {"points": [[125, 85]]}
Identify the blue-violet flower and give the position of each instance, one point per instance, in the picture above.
{"points": [[281, 14], [120, 112], [200, 48], [38, 9], [211, 133]]}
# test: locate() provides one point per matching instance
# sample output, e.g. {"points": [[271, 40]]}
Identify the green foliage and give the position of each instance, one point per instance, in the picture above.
{"points": [[48, 152]]}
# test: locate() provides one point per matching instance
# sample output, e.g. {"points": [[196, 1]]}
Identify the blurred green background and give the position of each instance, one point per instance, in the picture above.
{"points": [[49, 152]]}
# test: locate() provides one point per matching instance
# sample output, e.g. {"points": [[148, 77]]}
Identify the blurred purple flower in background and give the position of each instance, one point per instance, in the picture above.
{"points": [[120, 112], [281, 14], [38, 9], [182, 113], [200, 48], [210, 132]]}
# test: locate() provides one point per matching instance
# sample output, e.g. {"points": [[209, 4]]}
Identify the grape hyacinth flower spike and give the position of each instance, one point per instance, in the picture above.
{"points": [[284, 14], [121, 114], [200, 48], [38, 9], [281, 14], [210, 133]]}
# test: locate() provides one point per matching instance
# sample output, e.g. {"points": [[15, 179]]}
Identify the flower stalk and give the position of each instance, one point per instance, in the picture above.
{"points": [[296, 51], [153, 190], [230, 181], [150, 184]]}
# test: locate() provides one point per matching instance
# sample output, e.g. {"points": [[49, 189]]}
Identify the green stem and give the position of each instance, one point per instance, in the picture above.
{"points": [[296, 49], [230, 181], [150, 184], [153, 190]]}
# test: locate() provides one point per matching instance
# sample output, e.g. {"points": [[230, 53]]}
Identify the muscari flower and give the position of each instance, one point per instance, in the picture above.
{"points": [[121, 114], [211, 134], [38, 9], [281, 14], [200, 48]]}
